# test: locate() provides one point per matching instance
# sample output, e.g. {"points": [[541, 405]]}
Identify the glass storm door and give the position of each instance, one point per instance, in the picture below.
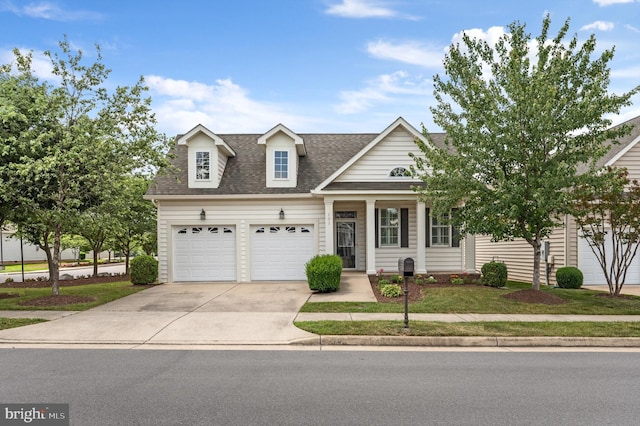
{"points": [[346, 243]]}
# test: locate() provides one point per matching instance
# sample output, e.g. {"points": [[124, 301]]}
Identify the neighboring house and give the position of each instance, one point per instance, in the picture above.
{"points": [[566, 247], [12, 250], [257, 207]]}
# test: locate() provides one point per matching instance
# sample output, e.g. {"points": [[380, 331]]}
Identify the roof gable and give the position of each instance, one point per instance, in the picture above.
{"points": [[297, 140], [200, 129], [398, 123]]}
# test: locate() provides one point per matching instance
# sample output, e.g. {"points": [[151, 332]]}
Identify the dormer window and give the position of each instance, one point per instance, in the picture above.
{"points": [[203, 165], [281, 165], [400, 172]]}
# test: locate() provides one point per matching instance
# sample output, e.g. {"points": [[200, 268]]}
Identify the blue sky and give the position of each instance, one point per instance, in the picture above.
{"points": [[243, 66]]}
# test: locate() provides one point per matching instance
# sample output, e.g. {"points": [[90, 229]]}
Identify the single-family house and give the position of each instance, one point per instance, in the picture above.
{"points": [[257, 207], [565, 247]]}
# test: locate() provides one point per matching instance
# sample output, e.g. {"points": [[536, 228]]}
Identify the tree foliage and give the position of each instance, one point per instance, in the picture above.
{"points": [[67, 142], [520, 117], [607, 211]]}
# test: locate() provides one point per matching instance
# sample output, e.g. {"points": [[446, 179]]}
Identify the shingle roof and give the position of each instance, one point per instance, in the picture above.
{"points": [[246, 172]]}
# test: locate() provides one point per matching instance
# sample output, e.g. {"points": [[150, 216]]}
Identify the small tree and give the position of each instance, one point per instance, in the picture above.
{"points": [[607, 211], [516, 132]]}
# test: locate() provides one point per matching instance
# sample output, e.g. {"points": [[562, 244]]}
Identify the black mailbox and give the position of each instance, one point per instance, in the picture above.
{"points": [[405, 266]]}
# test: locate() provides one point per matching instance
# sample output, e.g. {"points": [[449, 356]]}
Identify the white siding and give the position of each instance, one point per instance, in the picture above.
{"points": [[631, 160], [389, 153], [282, 142], [222, 164], [241, 214]]}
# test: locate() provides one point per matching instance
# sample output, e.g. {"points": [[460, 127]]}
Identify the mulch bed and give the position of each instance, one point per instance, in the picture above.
{"points": [[60, 299], [443, 280]]}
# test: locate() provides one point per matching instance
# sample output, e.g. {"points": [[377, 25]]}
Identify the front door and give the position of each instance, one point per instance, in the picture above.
{"points": [[346, 243]]}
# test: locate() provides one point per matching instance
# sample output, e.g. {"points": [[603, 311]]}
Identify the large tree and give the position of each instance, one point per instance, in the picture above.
{"points": [[77, 141], [607, 211], [521, 118]]}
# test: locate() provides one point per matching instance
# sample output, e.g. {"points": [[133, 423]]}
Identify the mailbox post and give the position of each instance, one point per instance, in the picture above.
{"points": [[405, 270]]}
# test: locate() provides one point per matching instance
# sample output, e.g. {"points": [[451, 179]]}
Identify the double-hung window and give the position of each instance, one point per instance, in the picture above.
{"points": [[203, 165], [389, 227], [440, 230], [281, 165]]}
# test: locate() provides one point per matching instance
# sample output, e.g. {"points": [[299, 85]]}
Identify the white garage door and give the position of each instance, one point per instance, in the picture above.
{"points": [[204, 253], [590, 267], [280, 252]]}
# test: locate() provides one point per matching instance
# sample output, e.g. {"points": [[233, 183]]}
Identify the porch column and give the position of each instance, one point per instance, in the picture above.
{"points": [[421, 263], [371, 236], [328, 227]]}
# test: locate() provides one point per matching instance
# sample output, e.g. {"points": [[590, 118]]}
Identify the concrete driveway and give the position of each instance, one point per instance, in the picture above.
{"points": [[182, 314]]}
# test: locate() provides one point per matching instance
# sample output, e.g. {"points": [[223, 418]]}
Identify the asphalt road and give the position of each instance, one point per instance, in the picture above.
{"points": [[155, 387]]}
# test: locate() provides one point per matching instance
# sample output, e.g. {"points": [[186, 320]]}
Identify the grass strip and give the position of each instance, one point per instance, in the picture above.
{"points": [[18, 322], [493, 329]]}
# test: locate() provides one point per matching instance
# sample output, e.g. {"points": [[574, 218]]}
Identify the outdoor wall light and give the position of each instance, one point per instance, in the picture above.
{"points": [[203, 215], [281, 214]]}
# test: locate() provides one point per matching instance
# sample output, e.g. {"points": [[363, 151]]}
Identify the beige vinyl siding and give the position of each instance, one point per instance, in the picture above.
{"points": [[444, 259], [631, 160], [389, 153], [241, 214], [222, 163], [518, 256]]}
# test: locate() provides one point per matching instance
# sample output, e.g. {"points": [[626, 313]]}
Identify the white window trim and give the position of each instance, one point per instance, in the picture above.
{"points": [[195, 162], [432, 234], [288, 164], [380, 226]]}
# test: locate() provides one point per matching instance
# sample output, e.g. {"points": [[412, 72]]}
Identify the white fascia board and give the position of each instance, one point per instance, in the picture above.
{"points": [[297, 140], [248, 197], [399, 122], [218, 141], [620, 154]]}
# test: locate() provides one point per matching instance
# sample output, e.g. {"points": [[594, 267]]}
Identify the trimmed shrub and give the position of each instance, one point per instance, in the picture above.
{"points": [[143, 270], [494, 274], [391, 290], [323, 273], [569, 277]]}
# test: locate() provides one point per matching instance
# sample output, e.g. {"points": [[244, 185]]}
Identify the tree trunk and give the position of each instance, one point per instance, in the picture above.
{"points": [[536, 244], [55, 263], [95, 263]]}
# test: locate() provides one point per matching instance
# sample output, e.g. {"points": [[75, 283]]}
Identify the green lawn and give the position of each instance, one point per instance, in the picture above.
{"points": [[493, 329], [488, 300], [102, 293], [18, 322]]}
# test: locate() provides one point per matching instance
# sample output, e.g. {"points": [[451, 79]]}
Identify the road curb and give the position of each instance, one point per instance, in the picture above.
{"points": [[455, 341]]}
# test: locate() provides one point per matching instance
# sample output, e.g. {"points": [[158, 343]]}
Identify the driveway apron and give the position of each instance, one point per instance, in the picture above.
{"points": [[183, 313]]}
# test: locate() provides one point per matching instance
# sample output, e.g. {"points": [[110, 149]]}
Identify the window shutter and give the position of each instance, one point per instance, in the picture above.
{"points": [[427, 228], [455, 232], [404, 227], [376, 230]]}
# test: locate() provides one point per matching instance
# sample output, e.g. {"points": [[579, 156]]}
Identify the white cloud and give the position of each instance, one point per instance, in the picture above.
{"points": [[49, 11], [386, 88], [364, 9], [632, 28], [491, 36], [223, 107], [598, 25], [604, 3], [40, 64], [409, 52]]}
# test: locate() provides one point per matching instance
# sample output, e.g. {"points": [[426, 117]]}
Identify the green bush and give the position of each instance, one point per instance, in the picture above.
{"points": [[383, 282], [323, 273], [143, 270], [396, 279], [391, 290], [569, 277], [494, 274]]}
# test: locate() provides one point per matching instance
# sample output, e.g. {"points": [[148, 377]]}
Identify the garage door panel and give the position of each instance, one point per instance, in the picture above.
{"points": [[280, 252], [590, 267], [204, 253]]}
